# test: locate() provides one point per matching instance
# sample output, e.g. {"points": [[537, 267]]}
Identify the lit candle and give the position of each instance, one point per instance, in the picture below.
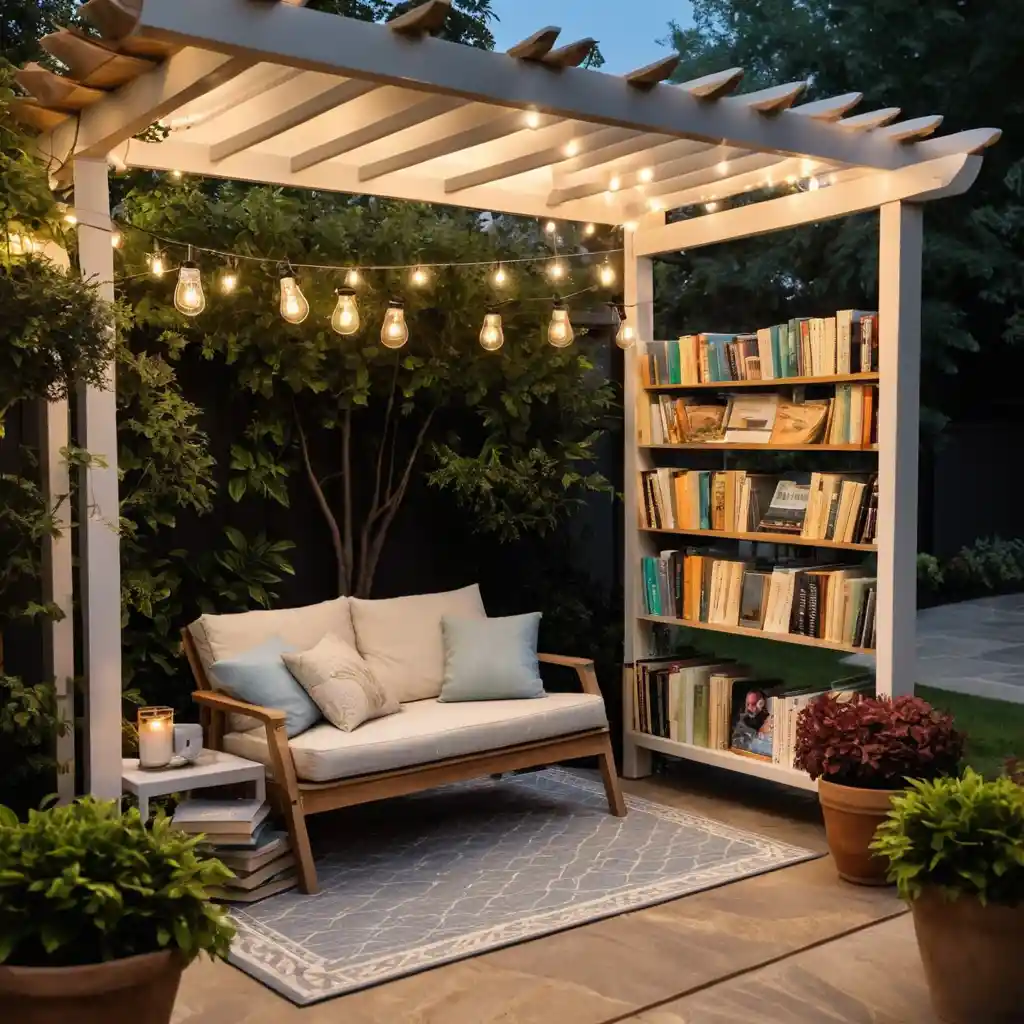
{"points": [[156, 737]]}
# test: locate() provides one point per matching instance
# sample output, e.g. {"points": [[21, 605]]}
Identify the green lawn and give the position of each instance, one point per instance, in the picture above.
{"points": [[995, 729]]}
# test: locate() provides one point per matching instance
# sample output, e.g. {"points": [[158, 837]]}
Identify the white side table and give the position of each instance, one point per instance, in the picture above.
{"points": [[211, 768]]}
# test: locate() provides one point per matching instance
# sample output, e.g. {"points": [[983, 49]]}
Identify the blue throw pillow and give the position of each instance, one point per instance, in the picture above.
{"points": [[491, 659], [259, 676]]}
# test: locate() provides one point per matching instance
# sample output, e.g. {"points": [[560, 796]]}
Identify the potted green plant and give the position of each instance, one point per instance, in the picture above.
{"points": [[955, 849], [99, 915], [862, 750]]}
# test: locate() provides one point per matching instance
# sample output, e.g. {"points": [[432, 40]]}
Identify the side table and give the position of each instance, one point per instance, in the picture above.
{"points": [[211, 768]]}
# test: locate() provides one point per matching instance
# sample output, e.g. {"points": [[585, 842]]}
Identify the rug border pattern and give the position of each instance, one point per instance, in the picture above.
{"points": [[305, 978]]}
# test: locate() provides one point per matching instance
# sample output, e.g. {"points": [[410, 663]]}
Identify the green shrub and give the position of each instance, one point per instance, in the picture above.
{"points": [[85, 883], [964, 836]]}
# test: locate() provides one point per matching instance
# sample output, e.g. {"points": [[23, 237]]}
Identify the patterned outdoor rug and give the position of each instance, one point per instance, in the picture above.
{"points": [[425, 880]]}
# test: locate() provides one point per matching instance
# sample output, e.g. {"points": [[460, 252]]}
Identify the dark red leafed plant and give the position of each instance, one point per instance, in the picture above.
{"points": [[875, 742]]}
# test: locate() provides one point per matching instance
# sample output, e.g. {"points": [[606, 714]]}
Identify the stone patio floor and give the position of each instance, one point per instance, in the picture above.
{"points": [[795, 946]]}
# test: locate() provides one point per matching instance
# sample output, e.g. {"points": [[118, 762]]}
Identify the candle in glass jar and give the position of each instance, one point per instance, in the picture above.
{"points": [[156, 737]]}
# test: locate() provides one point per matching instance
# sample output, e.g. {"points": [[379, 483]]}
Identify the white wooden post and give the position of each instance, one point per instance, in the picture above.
{"points": [[899, 329], [638, 287], [57, 581], [100, 572]]}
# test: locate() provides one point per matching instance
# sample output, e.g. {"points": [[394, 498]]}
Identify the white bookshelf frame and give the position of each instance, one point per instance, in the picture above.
{"points": [[899, 306]]}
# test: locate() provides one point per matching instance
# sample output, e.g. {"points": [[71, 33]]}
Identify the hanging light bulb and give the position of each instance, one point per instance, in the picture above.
{"points": [[70, 218], [606, 274], [229, 280], [394, 332], [294, 307], [157, 264], [625, 336], [589, 230], [499, 278], [560, 333], [116, 238], [550, 227], [345, 318], [492, 337], [188, 293], [532, 119], [352, 278], [556, 270], [419, 277]]}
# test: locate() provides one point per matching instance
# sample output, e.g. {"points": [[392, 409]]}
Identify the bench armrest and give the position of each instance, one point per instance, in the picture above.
{"points": [[584, 669], [221, 702]]}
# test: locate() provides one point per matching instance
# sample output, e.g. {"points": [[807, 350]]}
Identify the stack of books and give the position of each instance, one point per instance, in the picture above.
{"points": [[835, 603], [723, 706], [802, 347], [237, 833]]}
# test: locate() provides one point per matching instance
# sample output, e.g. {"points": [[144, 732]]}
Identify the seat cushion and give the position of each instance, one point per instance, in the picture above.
{"points": [[425, 731], [218, 637], [400, 638]]}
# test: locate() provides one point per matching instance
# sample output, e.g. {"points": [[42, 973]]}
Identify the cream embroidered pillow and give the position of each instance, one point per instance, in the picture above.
{"points": [[340, 683]]}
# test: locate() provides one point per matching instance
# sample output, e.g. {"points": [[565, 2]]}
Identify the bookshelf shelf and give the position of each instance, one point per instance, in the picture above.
{"points": [[697, 446], [772, 382], [724, 759], [784, 638], [764, 538]]}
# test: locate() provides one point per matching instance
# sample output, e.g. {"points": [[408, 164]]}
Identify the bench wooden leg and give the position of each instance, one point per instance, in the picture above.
{"points": [[289, 799], [296, 821], [606, 761]]}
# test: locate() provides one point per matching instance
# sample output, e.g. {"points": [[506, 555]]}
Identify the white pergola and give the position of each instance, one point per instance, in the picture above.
{"points": [[262, 90]]}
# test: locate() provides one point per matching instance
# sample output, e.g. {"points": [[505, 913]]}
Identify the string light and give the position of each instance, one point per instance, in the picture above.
{"points": [[590, 230], [394, 332], [294, 307], [625, 336], [711, 206], [176, 175], [572, 147], [70, 218], [723, 167], [189, 299], [551, 227], [630, 225], [157, 265], [228, 281], [813, 185], [116, 238], [345, 318], [560, 332], [532, 119], [352, 278], [556, 270], [419, 277], [606, 274], [615, 183], [646, 175], [499, 278], [492, 336]]}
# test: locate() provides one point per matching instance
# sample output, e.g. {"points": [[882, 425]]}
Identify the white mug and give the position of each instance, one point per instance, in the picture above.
{"points": [[188, 741]]}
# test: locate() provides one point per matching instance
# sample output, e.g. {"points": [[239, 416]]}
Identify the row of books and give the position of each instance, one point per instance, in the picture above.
{"points": [[720, 705], [849, 418], [238, 834], [835, 603], [802, 347], [842, 508]]}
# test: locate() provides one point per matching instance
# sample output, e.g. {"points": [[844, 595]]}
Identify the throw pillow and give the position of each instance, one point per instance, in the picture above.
{"points": [[340, 683], [259, 676], [491, 659], [400, 638]]}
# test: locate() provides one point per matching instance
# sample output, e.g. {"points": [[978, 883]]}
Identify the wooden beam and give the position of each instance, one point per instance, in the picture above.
{"points": [[945, 176], [710, 87], [871, 119], [569, 56], [904, 131], [768, 101], [114, 19], [317, 41], [92, 62], [830, 109], [652, 74], [536, 46], [416, 109], [290, 113], [54, 91], [35, 115], [420, 21], [974, 140]]}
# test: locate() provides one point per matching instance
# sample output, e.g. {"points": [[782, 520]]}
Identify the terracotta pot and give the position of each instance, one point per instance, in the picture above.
{"points": [[971, 957], [851, 817], [135, 990]]}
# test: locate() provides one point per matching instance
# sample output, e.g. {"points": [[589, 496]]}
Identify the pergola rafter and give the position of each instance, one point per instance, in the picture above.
{"points": [[265, 91]]}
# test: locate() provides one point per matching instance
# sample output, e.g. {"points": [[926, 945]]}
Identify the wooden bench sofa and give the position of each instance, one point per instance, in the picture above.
{"points": [[427, 744]]}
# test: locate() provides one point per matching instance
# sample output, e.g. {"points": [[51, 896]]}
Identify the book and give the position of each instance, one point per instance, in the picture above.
{"points": [[751, 719], [788, 508], [754, 598], [799, 423], [270, 844], [705, 422], [279, 883], [234, 817], [249, 880], [751, 418]]}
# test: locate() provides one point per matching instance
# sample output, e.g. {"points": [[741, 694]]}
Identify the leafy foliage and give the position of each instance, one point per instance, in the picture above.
{"points": [[875, 742], [964, 836], [988, 566], [84, 884]]}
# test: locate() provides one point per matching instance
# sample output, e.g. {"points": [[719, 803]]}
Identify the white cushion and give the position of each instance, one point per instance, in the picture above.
{"points": [[426, 731], [340, 683], [224, 636], [401, 639]]}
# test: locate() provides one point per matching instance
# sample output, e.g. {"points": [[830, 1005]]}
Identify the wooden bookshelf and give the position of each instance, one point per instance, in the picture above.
{"points": [[727, 385], [764, 538], [714, 446], [723, 759], [785, 638]]}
